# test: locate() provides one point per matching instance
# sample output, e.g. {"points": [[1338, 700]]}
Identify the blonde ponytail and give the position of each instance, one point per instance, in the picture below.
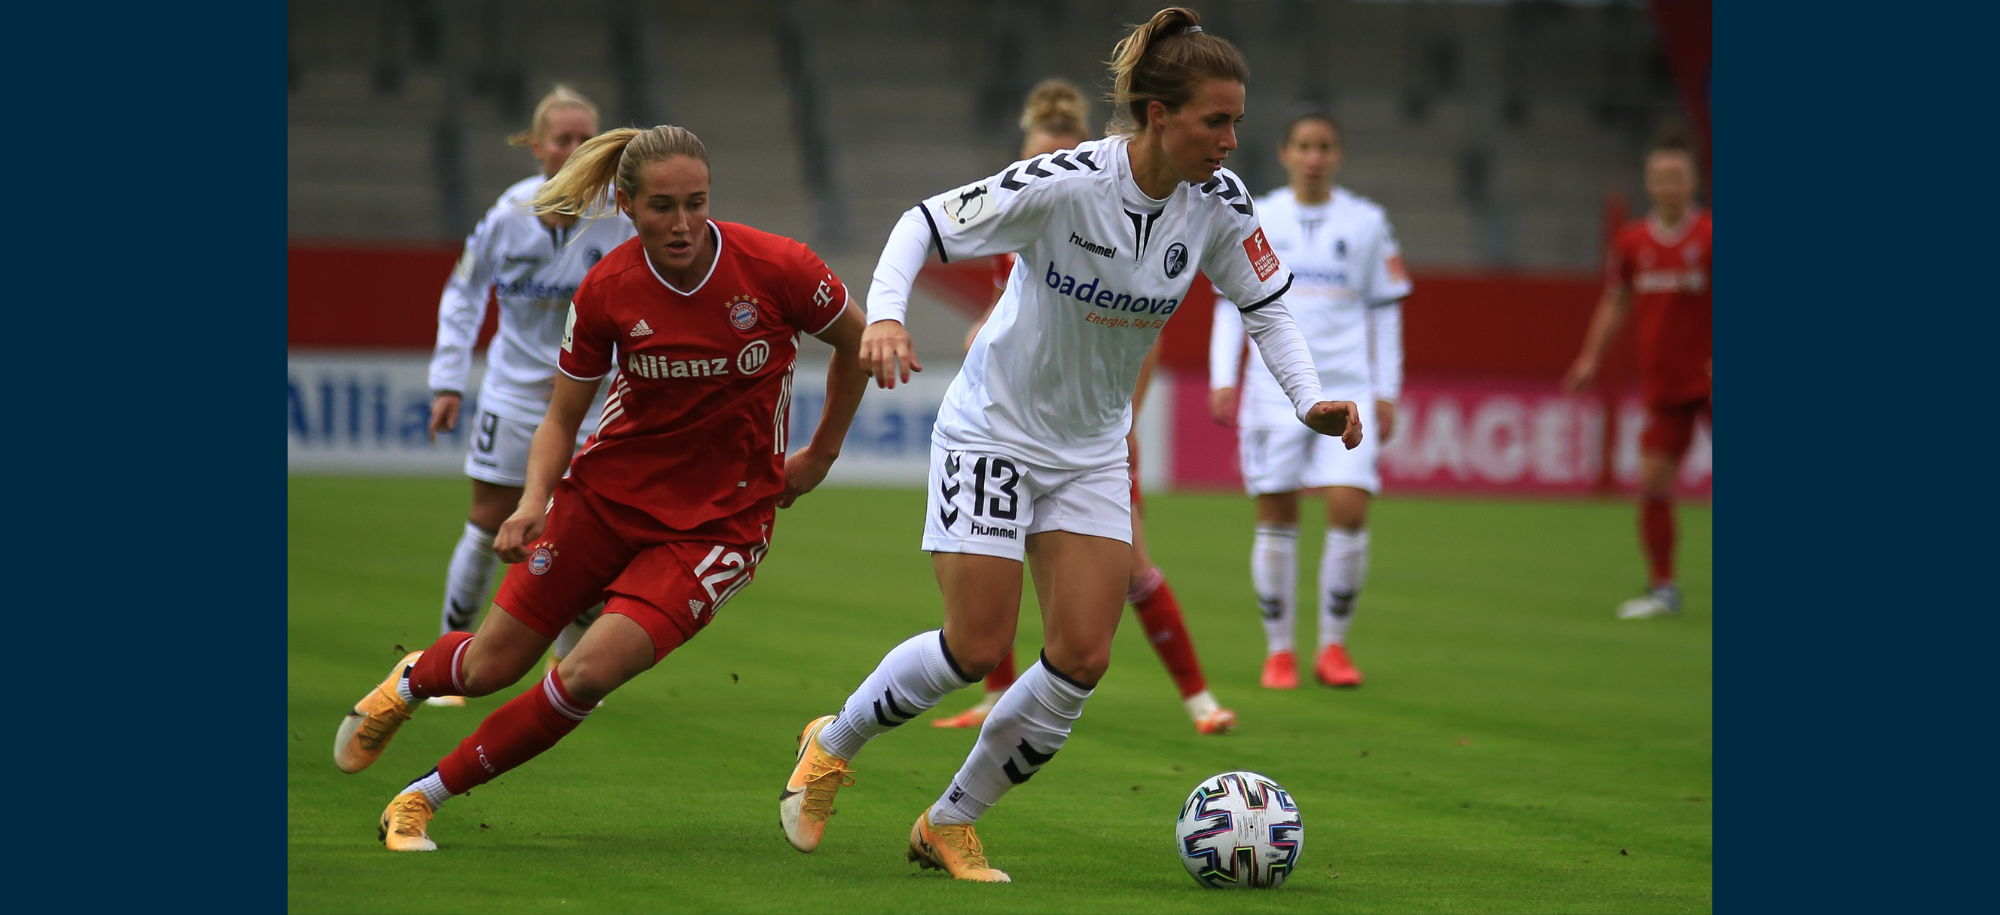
{"points": [[1164, 60], [614, 158]]}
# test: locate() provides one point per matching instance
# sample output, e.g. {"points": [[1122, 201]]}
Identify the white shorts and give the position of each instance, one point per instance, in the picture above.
{"points": [[988, 503], [498, 450], [1292, 457]]}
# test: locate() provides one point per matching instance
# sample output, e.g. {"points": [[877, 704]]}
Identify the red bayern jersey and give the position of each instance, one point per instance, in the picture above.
{"points": [[1668, 275], [694, 426]]}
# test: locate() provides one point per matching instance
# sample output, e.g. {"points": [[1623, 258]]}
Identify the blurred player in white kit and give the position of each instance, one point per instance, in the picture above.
{"points": [[533, 265], [1347, 301]]}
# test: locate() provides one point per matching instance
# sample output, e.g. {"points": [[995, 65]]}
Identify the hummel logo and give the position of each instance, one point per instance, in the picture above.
{"points": [[641, 330]]}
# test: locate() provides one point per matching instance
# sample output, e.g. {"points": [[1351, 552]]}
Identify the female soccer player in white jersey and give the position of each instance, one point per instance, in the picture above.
{"points": [[1346, 297], [533, 264], [1053, 120], [1028, 454]]}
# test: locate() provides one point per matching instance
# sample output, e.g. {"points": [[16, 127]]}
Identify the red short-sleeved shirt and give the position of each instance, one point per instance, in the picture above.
{"points": [[694, 426], [1669, 276]]}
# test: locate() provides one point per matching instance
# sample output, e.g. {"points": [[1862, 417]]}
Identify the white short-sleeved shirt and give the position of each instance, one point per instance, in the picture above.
{"points": [[533, 271], [1101, 269], [1344, 260]]}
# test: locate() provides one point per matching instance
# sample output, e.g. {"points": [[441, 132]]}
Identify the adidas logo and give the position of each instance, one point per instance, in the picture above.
{"points": [[641, 330]]}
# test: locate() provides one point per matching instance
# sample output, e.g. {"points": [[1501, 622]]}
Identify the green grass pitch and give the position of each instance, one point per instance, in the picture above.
{"points": [[1515, 749]]}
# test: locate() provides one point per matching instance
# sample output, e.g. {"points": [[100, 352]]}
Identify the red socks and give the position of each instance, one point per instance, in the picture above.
{"points": [[1160, 616], [1002, 675], [437, 672], [1656, 532], [515, 733]]}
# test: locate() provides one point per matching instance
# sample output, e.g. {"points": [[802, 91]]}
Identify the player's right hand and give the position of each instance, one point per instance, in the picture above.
{"points": [[444, 412], [523, 527], [1222, 406], [1337, 417], [886, 353]]}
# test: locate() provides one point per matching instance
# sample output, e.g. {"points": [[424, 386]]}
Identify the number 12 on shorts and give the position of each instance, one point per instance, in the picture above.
{"points": [[728, 576]]}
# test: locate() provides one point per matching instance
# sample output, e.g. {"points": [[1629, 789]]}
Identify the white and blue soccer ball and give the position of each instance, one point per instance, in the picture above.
{"points": [[1239, 830]]}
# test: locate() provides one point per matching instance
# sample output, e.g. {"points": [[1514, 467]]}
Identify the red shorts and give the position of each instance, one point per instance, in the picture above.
{"points": [[669, 582], [1670, 429]]}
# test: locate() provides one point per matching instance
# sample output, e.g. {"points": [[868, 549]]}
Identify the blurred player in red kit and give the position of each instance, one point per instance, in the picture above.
{"points": [[664, 514], [1658, 272], [1053, 119]]}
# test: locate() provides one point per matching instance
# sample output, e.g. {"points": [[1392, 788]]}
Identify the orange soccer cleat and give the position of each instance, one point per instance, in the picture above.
{"points": [[406, 824], [1281, 671], [807, 800], [366, 730], [1219, 722], [974, 716], [1334, 669], [954, 849]]}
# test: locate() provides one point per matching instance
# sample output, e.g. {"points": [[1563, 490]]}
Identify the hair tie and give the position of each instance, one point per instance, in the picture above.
{"points": [[1191, 30]]}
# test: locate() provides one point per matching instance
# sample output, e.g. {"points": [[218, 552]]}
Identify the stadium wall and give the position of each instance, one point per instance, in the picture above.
{"points": [[1482, 410]]}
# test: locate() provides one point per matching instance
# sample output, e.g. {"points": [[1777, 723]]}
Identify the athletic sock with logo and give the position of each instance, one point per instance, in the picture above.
{"points": [[1343, 568], [1160, 616], [1021, 735], [1656, 533], [1274, 574], [912, 677], [515, 733], [472, 564]]}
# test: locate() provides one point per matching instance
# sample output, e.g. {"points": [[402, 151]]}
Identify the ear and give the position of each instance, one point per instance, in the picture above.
{"points": [[624, 202], [1156, 114]]}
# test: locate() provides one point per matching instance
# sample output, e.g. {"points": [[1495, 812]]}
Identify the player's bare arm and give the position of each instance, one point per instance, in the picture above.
{"points": [[444, 412], [887, 353], [846, 382], [548, 454], [1338, 418], [1609, 319], [1222, 406], [1385, 416]]}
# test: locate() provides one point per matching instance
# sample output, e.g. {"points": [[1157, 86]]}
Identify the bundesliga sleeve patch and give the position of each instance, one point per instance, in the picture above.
{"points": [[968, 206], [1262, 258], [569, 330], [1396, 272]]}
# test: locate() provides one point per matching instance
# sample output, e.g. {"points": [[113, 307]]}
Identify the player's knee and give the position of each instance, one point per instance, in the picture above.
{"points": [[1084, 667], [978, 658]]}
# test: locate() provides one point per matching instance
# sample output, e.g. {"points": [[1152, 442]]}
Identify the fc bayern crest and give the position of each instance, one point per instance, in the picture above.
{"points": [[743, 313], [539, 562], [1176, 260]]}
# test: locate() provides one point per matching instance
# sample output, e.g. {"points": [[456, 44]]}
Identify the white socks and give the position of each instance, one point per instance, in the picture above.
{"points": [[1201, 705], [1025, 730], [912, 677], [432, 788], [1274, 574], [472, 563], [1343, 567]]}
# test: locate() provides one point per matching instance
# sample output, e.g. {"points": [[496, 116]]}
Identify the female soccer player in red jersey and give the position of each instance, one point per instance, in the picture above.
{"points": [[666, 512], [532, 263], [1028, 454], [1053, 119], [1658, 271]]}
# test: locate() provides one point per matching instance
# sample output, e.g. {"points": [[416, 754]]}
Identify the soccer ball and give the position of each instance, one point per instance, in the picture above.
{"points": [[1238, 830]]}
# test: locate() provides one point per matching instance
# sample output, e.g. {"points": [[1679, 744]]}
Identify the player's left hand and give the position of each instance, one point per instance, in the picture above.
{"points": [[1337, 417], [803, 472]]}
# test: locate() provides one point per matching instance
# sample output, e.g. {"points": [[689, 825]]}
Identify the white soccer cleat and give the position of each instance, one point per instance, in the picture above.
{"points": [[1659, 602]]}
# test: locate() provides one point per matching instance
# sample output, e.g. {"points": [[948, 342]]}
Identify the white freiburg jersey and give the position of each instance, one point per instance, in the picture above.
{"points": [[534, 271], [1348, 278], [1101, 269]]}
